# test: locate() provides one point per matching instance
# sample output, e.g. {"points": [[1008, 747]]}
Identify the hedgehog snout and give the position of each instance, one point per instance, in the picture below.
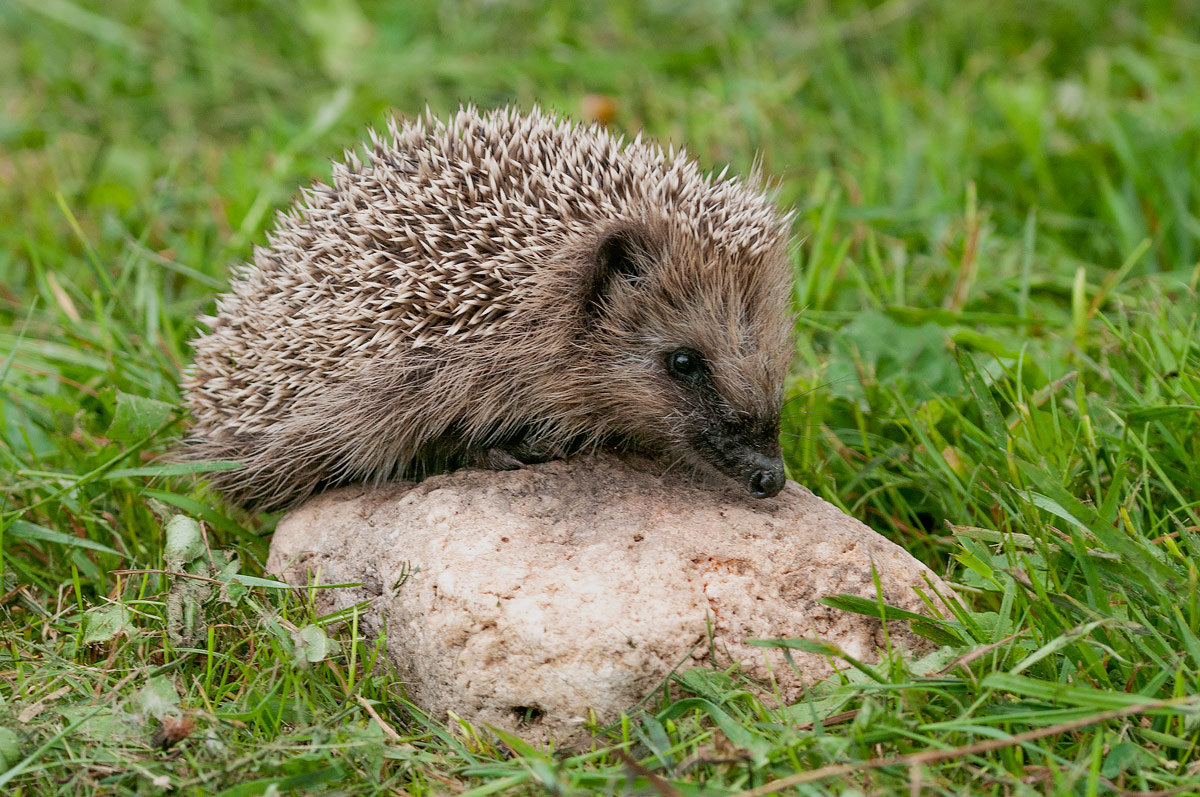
{"points": [[751, 459], [768, 479], [762, 474]]}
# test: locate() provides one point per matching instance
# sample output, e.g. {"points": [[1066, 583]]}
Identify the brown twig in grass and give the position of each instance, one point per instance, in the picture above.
{"points": [[972, 655], [968, 267], [933, 756], [833, 719], [175, 573], [31, 711], [387, 729], [1040, 774], [659, 784]]}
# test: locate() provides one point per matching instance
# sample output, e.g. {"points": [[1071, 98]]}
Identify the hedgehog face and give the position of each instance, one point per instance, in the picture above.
{"points": [[694, 345]]}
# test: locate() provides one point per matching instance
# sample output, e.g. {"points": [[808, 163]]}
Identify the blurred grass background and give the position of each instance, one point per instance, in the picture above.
{"points": [[998, 368]]}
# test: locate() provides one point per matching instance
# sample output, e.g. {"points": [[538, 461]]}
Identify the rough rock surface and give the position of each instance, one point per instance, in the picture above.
{"points": [[525, 599]]}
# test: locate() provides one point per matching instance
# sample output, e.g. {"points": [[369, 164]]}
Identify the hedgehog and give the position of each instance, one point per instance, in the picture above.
{"points": [[493, 290]]}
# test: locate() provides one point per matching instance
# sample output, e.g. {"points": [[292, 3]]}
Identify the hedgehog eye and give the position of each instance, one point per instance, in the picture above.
{"points": [[686, 365]]}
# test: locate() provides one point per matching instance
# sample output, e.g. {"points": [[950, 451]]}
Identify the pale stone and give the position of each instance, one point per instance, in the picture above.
{"points": [[535, 599]]}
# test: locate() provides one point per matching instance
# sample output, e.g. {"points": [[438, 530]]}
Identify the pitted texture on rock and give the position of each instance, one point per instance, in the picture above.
{"points": [[577, 586]]}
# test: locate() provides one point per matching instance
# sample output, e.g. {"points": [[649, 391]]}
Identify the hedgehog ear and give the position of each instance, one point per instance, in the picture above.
{"points": [[621, 255]]}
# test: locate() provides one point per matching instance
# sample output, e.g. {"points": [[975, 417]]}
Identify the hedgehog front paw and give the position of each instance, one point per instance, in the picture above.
{"points": [[513, 455], [498, 459]]}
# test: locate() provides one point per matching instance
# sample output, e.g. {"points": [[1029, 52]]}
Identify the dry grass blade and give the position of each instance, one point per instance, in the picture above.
{"points": [[932, 756]]}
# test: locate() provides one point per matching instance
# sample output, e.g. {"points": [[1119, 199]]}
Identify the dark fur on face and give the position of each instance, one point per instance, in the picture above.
{"points": [[493, 290]]}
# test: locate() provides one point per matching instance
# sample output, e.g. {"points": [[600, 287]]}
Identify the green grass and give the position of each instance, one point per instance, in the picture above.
{"points": [[999, 368]]}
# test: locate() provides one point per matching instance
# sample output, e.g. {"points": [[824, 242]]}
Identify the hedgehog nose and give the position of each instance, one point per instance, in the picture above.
{"points": [[767, 481]]}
